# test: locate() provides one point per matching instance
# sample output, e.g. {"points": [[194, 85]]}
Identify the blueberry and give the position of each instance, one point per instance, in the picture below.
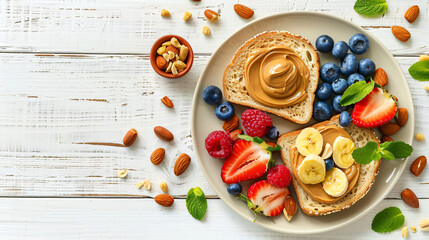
{"points": [[340, 85], [234, 188], [324, 91], [322, 111], [354, 78], [212, 95], [340, 49], [324, 43], [358, 43], [329, 72], [345, 119], [224, 111], [329, 163], [366, 67], [336, 104], [273, 134], [348, 64]]}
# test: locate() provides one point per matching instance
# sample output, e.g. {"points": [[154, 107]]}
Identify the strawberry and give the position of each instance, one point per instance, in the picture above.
{"points": [[248, 160], [263, 197], [376, 109]]}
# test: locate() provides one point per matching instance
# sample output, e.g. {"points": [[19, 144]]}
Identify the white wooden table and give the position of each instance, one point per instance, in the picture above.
{"points": [[75, 76]]}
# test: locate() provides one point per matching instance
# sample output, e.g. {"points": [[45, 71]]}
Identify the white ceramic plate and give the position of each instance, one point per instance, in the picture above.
{"points": [[309, 25]]}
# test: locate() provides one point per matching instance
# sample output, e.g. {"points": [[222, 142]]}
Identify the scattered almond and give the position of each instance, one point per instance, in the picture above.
{"points": [[243, 11], [164, 200], [419, 137], [206, 30], [424, 225], [380, 77], [231, 124], [181, 164], [412, 13], [130, 137], [389, 128], [122, 173], [401, 33], [402, 116], [165, 13], [418, 165], [423, 57], [187, 16], [410, 198], [139, 185], [234, 134], [167, 102], [146, 184], [163, 133], [163, 186], [290, 208], [157, 156], [385, 138], [404, 232], [413, 229], [211, 15]]}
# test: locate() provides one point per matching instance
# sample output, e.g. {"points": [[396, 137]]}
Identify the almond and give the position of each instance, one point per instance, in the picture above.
{"points": [[167, 102], [380, 77], [130, 137], [402, 116], [271, 144], [234, 134], [164, 200], [401, 33], [290, 208], [157, 156], [173, 49], [412, 13], [385, 138], [410, 198], [231, 124], [389, 128], [243, 11], [418, 165], [211, 15], [181, 164], [161, 63], [163, 133]]}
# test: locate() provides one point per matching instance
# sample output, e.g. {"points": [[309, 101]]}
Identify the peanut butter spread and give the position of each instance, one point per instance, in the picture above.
{"points": [[276, 76], [315, 191]]}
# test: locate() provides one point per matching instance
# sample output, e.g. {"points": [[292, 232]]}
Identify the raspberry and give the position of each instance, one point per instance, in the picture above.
{"points": [[256, 122], [219, 144], [279, 176]]}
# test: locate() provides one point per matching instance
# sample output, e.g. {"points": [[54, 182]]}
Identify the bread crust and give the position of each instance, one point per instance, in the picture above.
{"points": [[335, 207], [310, 92]]}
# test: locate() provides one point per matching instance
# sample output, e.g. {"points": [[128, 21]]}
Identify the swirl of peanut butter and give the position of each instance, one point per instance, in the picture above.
{"points": [[276, 76]]}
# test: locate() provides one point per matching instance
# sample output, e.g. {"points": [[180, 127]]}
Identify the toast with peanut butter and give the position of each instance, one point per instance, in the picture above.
{"points": [[276, 72], [311, 203]]}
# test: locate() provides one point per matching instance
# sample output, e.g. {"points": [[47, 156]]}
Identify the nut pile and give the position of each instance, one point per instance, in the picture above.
{"points": [[172, 56]]}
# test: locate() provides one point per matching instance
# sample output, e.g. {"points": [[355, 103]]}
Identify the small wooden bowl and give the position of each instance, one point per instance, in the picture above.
{"points": [[154, 54]]}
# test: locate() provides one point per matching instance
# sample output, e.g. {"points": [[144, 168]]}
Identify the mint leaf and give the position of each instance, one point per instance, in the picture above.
{"points": [[388, 220], [196, 203], [364, 155], [397, 148], [387, 155], [370, 7], [420, 70], [356, 92]]}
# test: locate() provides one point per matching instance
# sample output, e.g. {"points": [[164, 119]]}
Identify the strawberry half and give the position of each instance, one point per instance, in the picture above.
{"points": [[376, 109], [248, 160], [265, 198]]}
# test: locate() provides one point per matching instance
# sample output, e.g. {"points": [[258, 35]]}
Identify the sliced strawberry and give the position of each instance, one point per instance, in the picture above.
{"points": [[265, 198], [248, 160], [376, 109]]}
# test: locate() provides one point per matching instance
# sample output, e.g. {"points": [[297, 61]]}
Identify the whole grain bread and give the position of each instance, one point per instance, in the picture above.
{"points": [[366, 178], [234, 83]]}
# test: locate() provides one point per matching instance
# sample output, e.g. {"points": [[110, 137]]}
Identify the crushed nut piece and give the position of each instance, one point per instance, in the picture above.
{"points": [[420, 137], [163, 186], [404, 232], [161, 50], [122, 173], [413, 229], [206, 30], [165, 13], [146, 184], [139, 185], [427, 87], [187, 16]]}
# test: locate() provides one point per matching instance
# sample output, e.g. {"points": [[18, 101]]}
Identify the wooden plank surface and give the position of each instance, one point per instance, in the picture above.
{"points": [[111, 26]]}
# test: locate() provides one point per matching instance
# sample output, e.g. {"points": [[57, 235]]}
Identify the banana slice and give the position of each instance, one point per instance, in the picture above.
{"points": [[309, 141], [343, 148], [335, 183], [312, 169], [327, 151]]}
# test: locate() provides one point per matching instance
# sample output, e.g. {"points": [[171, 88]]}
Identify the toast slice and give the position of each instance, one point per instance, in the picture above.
{"points": [[233, 77], [366, 177]]}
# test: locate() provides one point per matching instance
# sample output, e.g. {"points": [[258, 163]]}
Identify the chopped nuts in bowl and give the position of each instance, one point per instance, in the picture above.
{"points": [[171, 56]]}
